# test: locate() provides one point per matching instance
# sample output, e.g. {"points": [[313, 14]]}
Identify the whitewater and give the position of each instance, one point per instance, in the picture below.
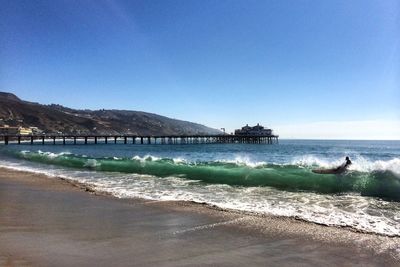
{"points": [[264, 179]]}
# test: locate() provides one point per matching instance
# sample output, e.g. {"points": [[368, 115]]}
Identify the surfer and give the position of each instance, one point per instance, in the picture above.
{"points": [[348, 162], [342, 168]]}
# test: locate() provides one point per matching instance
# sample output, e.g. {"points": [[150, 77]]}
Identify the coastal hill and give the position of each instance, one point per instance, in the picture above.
{"points": [[59, 119]]}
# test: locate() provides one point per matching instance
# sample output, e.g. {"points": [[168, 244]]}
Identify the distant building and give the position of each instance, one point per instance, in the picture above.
{"points": [[36, 130], [24, 131], [7, 130], [255, 130]]}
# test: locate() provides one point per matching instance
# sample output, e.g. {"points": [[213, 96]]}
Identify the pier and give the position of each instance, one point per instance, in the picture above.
{"points": [[134, 139]]}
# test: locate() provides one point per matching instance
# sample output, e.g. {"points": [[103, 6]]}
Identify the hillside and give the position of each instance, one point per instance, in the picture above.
{"points": [[56, 118]]}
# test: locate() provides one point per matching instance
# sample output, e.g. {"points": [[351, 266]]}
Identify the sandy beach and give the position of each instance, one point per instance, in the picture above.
{"points": [[46, 221]]}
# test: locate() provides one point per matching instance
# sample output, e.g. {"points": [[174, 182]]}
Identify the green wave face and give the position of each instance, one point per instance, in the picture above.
{"points": [[383, 184]]}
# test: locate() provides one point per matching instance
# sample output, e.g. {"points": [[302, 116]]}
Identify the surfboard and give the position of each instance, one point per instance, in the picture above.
{"points": [[329, 171]]}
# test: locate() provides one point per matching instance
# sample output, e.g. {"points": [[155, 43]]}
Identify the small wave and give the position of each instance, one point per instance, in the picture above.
{"points": [[377, 179]]}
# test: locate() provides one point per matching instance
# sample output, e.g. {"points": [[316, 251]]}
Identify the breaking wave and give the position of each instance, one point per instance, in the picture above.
{"points": [[368, 178]]}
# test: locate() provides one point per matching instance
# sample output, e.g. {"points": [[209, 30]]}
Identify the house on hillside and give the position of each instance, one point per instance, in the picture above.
{"points": [[7, 130], [24, 131]]}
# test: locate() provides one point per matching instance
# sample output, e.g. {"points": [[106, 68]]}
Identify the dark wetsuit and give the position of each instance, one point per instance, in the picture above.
{"points": [[344, 166], [348, 163]]}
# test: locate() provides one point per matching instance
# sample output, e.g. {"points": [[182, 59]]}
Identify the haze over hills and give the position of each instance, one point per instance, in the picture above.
{"points": [[56, 118]]}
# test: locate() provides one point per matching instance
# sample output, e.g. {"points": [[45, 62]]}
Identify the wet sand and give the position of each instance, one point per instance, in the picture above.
{"points": [[52, 222]]}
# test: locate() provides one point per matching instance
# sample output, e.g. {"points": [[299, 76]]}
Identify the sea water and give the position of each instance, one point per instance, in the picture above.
{"points": [[264, 179]]}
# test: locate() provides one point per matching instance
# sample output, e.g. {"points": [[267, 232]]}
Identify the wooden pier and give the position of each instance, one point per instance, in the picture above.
{"points": [[133, 139]]}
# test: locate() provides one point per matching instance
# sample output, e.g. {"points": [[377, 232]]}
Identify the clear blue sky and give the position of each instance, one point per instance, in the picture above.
{"points": [[289, 65]]}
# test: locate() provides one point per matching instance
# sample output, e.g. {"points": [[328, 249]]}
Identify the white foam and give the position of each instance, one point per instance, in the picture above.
{"points": [[179, 160], [363, 165], [48, 154], [241, 160], [313, 161], [92, 163], [146, 158], [359, 163]]}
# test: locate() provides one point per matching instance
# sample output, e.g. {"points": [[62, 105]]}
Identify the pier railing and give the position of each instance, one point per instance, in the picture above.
{"points": [[137, 139]]}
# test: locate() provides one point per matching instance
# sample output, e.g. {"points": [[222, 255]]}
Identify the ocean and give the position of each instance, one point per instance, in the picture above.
{"points": [[254, 178]]}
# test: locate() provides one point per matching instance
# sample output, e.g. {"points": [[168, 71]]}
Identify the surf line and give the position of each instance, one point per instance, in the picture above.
{"points": [[208, 226]]}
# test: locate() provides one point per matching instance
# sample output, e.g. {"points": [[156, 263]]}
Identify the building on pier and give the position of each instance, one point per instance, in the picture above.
{"points": [[257, 130]]}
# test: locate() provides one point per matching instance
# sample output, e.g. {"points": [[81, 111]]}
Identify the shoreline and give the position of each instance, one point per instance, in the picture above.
{"points": [[92, 188], [205, 220]]}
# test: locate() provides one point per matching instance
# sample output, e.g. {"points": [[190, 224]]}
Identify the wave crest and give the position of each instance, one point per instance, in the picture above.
{"points": [[359, 164], [378, 179]]}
